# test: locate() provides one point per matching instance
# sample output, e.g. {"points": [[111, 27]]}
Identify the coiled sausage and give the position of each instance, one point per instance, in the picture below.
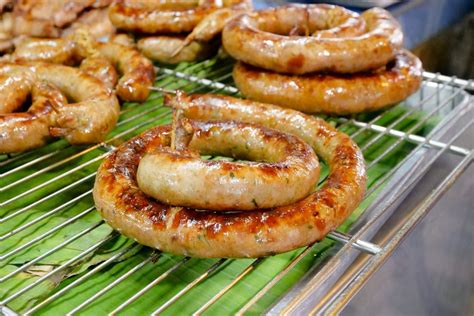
{"points": [[332, 93], [88, 119], [186, 231], [261, 39], [282, 169]]}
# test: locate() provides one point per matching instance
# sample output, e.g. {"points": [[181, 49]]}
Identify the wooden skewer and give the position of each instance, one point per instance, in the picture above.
{"points": [[163, 90], [181, 128]]}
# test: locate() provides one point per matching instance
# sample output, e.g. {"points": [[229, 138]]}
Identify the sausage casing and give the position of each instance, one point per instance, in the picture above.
{"points": [[332, 93], [261, 39], [186, 231], [281, 169]]}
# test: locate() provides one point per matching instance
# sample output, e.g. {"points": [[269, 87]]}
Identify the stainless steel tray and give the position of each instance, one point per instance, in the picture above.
{"points": [[432, 112]]}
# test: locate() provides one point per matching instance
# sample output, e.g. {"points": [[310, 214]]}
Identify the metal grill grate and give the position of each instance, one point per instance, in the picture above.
{"points": [[50, 233]]}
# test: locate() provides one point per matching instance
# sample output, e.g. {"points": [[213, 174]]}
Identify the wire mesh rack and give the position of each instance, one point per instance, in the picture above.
{"points": [[58, 255]]}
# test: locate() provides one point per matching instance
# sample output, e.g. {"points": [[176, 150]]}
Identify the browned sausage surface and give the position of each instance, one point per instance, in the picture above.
{"points": [[257, 233], [14, 89], [262, 39], [56, 51], [161, 49], [213, 24], [91, 115], [157, 19], [164, 17], [136, 71], [333, 94], [30, 129], [280, 169]]}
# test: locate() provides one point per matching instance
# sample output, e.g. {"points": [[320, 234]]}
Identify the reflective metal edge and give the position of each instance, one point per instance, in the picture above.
{"points": [[313, 289], [374, 263]]}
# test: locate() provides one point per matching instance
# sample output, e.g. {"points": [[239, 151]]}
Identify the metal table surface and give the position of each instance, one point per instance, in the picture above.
{"points": [[432, 271]]}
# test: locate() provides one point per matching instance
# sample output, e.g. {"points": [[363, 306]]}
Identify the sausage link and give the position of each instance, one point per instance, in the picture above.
{"points": [[164, 17], [58, 51], [94, 110], [137, 72], [213, 24], [14, 89], [156, 20], [261, 39], [186, 231], [333, 94], [28, 130], [287, 172], [161, 49]]}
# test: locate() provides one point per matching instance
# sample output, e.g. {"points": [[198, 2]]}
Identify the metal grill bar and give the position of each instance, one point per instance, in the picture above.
{"points": [[52, 250], [13, 158], [334, 235], [85, 151], [216, 85], [437, 77], [90, 148], [58, 269], [80, 279], [363, 125], [224, 290], [51, 154], [50, 181], [419, 104], [361, 245], [33, 189], [413, 138], [415, 178], [421, 210], [414, 128], [45, 215], [189, 287], [392, 172], [205, 82], [327, 268], [45, 234], [350, 241], [424, 142], [149, 286], [56, 193], [16, 157], [152, 258], [403, 116], [50, 167], [30, 163], [406, 135], [275, 280]]}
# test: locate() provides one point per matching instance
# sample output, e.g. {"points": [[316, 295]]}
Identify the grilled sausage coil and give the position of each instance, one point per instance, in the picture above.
{"points": [[136, 71], [30, 129], [165, 17], [88, 119], [186, 231], [282, 169], [333, 93], [262, 39]]}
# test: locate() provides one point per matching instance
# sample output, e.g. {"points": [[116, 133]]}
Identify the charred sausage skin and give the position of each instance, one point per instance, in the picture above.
{"points": [[186, 231]]}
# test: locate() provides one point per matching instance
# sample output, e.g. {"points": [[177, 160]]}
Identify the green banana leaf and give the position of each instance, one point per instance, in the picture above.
{"points": [[65, 205]]}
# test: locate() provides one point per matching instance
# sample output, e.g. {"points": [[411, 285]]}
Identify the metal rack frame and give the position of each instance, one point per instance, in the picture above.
{"points": [[316, 285]]}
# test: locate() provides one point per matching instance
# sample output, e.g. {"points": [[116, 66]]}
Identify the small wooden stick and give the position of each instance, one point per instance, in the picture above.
{"points": [[163, 90], [176, 100], [181, 130], [185, 43]]}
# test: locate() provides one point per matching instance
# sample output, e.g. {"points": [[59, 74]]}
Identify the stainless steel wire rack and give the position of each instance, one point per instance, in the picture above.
{"points": [[58, 255]]}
